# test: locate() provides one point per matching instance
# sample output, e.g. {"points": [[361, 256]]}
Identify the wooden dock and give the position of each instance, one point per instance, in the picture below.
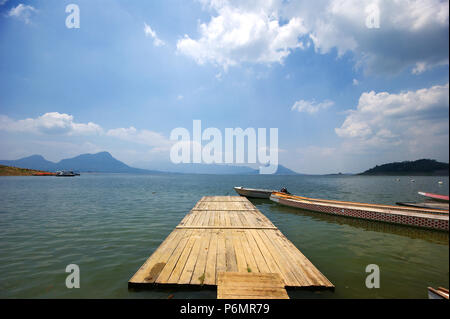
{"points": [[227, 234]]}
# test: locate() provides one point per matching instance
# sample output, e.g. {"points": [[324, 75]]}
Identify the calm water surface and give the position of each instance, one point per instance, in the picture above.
{"points": [[109, 224]]}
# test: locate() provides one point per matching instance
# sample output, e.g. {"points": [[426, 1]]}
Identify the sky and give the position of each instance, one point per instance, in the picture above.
{"points": [[349, 84]]}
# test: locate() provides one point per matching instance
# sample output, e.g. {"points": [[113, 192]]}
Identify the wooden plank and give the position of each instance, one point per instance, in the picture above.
{"points": [[249, 258], [221, 263], [186, 275], [230, 254], [257, 254], [241, 261], [210, 269], [280, 259], [178, 269], [271, 263], [156, 262], [198, 276], [250, 286], [173, 260]]}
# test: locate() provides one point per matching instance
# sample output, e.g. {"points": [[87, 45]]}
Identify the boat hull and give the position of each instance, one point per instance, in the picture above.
{"points": [[435, 197], [381, 213], [253, 192], [434, 205], [440, 293]]}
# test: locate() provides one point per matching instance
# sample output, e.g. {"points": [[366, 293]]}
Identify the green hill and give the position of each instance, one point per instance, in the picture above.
{"points": [[419, 167]]}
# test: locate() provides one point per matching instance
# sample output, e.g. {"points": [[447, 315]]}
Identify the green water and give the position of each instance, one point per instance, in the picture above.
{"points": [[108, 224]]}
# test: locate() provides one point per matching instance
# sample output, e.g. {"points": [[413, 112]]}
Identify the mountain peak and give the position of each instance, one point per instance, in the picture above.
{"points": [[35, 157]]}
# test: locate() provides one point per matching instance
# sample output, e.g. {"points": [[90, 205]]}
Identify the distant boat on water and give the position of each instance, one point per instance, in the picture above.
{"points": [[66, 174]]}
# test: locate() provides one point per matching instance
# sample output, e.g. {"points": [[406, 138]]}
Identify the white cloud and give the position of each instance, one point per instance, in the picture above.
{"points": [[150, 33], [2, 2], [61, 124], [22, 12], [355, 82], [156, 140], [413, 122], [49, 123], [311, 106], [243, 34], [412, 34]]}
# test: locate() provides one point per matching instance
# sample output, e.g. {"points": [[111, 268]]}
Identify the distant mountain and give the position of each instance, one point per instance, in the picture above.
{"points": [[419, 167], [216, 169], [282, 170], [101, 162], [36, 162]]}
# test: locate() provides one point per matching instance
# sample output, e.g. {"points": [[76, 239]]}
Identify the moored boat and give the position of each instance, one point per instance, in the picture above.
{"points": [[436, 197], [440, 293], [254, 192], [430, 204], [411, 216], [66, 173]]}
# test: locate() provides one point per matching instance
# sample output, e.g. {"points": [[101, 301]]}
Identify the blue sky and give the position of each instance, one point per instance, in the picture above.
{"points": [[343, 96]]}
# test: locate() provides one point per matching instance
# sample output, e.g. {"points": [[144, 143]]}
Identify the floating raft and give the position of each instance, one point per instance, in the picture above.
{"points": [[235, 285], [411, 216], [227, 234]]}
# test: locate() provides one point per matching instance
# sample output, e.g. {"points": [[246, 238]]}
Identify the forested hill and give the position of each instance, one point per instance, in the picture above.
{"points": [[419, 167]]}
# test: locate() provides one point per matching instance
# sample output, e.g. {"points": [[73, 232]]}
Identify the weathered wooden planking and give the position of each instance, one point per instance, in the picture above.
{"points": [[236, 285], [228, 234]]}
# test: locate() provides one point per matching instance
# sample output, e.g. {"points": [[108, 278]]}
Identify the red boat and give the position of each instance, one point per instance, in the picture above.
{"points": [[441, 198]]}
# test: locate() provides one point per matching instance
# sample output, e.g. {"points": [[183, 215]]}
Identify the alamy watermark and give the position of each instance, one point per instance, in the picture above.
{"points": [[73, 280], [373, 279], [373, 16], [219, 151], [73, 19]]}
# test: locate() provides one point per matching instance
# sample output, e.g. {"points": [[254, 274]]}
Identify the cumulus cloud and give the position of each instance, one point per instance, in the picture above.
{"points": [[311, 106], [61, 124], [49, 123], [411, 34], [240, 33], [150, 33], [413, 121], [22, 12]]}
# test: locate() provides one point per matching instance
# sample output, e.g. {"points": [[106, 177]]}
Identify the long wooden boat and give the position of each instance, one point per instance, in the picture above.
{"points": [[254, 192], [436, 197], [412, 216], [440, 293]]}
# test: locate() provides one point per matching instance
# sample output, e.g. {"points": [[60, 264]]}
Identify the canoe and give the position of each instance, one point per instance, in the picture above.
{"points": [[437, 197], [254, 192], [430, 204], [411, 216], [440, 293]]}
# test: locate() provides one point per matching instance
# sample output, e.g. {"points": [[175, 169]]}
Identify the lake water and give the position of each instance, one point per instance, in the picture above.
{"points": [[109, 224]]}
